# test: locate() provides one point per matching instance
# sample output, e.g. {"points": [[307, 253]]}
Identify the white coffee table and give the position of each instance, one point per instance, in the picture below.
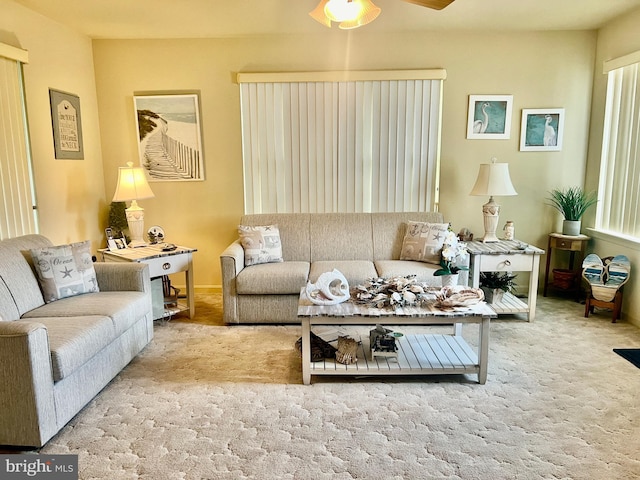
{"points": [[419, 354]]}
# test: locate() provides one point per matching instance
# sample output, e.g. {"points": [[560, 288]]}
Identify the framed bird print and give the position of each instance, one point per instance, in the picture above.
{"points": [[542, 129], [489, 117]]}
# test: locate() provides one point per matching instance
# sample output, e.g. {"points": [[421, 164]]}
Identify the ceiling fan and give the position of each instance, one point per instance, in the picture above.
{"points": [[355, 13]]}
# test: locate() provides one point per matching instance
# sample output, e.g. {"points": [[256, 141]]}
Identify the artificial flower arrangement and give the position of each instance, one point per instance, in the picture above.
{"points": [[453, 251]]}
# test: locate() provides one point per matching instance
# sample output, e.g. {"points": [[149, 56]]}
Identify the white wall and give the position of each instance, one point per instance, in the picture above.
{"points": [[70, 193]]}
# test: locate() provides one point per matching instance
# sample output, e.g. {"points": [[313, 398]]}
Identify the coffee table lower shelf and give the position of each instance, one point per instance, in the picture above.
{"points": [[421, 354]]}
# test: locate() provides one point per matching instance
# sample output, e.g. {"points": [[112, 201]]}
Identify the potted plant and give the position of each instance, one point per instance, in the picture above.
{"points": [[453, 250], [572, 203], [495, 284]]}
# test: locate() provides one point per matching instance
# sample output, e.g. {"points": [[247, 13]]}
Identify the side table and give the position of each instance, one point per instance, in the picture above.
{"points": [[571, 243], [507, 256], [160, 263]]}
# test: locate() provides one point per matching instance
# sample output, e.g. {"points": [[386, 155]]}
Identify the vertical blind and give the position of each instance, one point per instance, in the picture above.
{"points": [[363, 145], [17, 200], [619, 189]]}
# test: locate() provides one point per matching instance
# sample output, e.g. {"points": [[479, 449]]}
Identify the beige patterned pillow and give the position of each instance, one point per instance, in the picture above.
{"points": [[65, 270], [423, 242], [261, 244]]}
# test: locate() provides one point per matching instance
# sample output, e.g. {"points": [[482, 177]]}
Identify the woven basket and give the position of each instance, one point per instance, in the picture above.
{"points": [[564, 278]]}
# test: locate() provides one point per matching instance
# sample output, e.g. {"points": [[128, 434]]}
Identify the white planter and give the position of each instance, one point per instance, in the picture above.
{"points": [[492, 295], [449, 280], [571, 227]]}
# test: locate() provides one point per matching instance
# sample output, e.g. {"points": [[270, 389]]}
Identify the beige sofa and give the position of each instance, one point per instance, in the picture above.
{"points": [[55, 357], [360, 245]]}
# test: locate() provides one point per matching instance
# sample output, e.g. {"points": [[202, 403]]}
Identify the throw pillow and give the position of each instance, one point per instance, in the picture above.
{"points": [[423, 242], [65, 270], [261, 244]]}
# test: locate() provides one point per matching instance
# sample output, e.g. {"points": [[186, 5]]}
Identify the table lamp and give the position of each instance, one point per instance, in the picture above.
{"points": [[133, 185], [493, 179]]}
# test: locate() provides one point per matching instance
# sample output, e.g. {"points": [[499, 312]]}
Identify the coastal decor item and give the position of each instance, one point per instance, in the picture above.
{"points": [[67, 125], [394, 292], [330, 288], [453, 251], [261, 244], [495, 284], [509, 230], [132, 185], [542, 130], [489, 117], [320, 349], [169, 136], [605, 277], [572, 203], [347, 350], [450, 297], [382, 342], [493, 179], [423, 241]]}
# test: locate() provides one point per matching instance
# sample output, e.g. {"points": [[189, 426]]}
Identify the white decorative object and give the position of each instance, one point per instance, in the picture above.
{"points": [[509, 230], [459, 297], [331, 288], [450, 280]]}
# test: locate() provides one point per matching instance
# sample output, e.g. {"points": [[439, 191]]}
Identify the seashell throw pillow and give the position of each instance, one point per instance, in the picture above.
{"points": [[261, 244], [423, 242]]}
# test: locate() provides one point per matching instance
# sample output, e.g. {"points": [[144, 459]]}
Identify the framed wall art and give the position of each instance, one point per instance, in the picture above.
{"points": [[542, 129], [67, 125], [169, 136], [489, 117]]}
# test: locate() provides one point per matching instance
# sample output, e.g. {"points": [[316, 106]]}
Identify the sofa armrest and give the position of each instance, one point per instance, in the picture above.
{"points": [[28, 413], [231, 264], [114, 277]]}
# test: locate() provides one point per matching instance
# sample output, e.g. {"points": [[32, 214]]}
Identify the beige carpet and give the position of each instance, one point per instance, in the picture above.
{"points": [[208, 401]]}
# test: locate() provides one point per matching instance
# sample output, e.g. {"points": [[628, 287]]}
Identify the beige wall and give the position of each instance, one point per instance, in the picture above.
{"points": [[541, 70], [617, 39], [69, 192]]}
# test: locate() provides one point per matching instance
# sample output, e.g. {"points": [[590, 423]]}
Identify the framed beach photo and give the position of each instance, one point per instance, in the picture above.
{"points": [[67, 125], [169, 137], [542, 129], [489, 117]]}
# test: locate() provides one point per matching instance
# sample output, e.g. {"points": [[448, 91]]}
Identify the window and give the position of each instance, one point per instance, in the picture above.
{"points": [[17, 201], [618, 210], [341, 141]]}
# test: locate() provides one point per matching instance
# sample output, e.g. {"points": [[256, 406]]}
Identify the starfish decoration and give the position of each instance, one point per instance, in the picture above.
{"points": [[437, 236], [66, 272]]}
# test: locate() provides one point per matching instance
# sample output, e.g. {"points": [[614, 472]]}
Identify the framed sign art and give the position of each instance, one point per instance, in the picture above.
{"points": [[542, 130], [67, 125], [169, 136], [489, 117]]}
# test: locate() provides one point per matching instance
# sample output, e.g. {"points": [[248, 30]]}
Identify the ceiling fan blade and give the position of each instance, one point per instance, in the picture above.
{"points": [[435, 4]]}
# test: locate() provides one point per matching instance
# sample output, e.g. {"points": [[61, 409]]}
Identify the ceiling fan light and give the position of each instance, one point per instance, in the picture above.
{"points": [[318, 14], [343, 10], [369, 12]]}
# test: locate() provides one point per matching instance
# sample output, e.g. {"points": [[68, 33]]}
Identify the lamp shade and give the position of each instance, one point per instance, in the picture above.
{"points": [[347, 13], [132, 184], [493, 179]]}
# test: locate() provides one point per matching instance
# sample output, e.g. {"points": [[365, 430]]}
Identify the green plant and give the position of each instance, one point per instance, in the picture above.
{"points": [[118, 218], [572, 202], [498, 280]]}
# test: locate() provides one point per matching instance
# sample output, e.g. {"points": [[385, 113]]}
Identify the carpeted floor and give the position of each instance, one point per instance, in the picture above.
{"points": [[208, 401]]}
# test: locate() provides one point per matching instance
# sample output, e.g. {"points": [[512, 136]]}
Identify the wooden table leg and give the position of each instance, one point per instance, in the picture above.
{"points": [[306, 351], [483, 350]]}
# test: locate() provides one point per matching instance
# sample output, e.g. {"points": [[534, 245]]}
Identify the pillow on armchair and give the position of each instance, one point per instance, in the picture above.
{"points": [[423, 242]]}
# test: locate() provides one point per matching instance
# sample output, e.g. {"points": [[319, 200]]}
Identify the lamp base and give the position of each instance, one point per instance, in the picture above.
{"points": [[135, 219], [491, 213]]}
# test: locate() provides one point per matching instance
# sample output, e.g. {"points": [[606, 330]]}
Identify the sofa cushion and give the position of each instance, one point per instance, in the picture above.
{"points": [[355, 271], [341, 236], [261, 244], [423, 242], [273, 278], [65, 270], [75, 340], [123, 308], [402, 268]]}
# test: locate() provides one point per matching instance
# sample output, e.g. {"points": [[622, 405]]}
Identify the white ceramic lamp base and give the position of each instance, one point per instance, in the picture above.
{"points": [[135, 219], [491, 213]]}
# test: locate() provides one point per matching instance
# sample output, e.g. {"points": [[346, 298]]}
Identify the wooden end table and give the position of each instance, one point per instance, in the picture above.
{"points": [[507, 256], [161, 263], [425, 354], [572, 244]]}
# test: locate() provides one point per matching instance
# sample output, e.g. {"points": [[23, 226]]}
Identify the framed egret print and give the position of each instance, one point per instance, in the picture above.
{"points": [[489, 117], [542, 129], [169, 136]]}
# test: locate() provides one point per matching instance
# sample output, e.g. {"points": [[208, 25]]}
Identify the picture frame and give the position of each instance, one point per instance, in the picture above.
{"points": [[66, 122], [169, 136], [489, 117], [542, 129]]}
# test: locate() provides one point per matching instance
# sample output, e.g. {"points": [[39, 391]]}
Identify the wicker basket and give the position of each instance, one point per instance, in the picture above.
{"points": [[564, 278]]}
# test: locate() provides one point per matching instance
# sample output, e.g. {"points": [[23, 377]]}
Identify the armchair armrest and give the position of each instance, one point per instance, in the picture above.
{"points": [[113, 276], [231, 264], [28, 414]]}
